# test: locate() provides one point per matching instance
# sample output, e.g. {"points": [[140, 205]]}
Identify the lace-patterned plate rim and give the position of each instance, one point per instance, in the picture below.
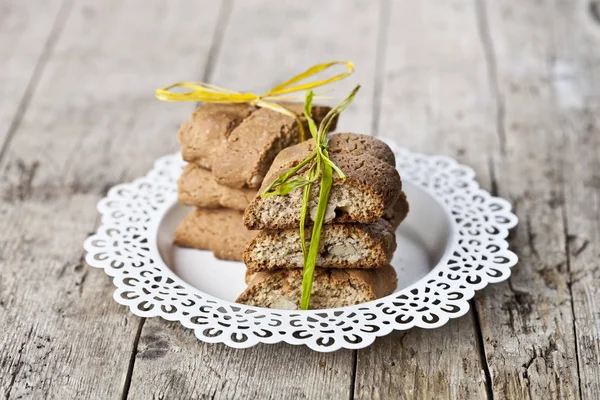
{"points": [[125, 246]]}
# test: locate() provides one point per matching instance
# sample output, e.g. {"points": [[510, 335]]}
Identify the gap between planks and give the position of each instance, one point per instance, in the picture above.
{"points": [[136, 341], [382, 37], [217, 42], [481, 348], [487, 43], [477, 321], [378, 78], [570, 281], [219, 32], [492, 76]]}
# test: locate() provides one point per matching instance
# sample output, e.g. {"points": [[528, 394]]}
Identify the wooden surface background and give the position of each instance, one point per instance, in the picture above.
{"points": [[509, 87]]}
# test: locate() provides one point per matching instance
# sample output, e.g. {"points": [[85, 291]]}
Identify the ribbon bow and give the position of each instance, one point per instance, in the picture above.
{"points": [[205, 92]]}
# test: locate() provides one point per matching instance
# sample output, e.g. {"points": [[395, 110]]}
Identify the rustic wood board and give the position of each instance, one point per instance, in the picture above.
{"points": [[172, 363], [576, 87], [435, 100], [528, 323], [510, 88], [94, 122], [28, 32]]}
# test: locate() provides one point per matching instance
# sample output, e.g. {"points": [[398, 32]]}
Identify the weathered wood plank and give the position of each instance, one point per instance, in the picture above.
{"points": [[28, 31], [576, 92], [422, 364], [528, 322], [172, 363], [269, 42], [582, 206], [435, 99], [265, 43], [92, 122]]}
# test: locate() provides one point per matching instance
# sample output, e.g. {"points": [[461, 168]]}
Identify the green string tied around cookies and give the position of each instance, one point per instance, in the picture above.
{"points": [[317, 164]]}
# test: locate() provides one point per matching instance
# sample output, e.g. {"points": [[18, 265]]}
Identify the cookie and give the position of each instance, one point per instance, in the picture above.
{"points": [[219, 230], [209, 126], [198, 187], [370, 189], [341, 246], [332, 288], [245, 157]]}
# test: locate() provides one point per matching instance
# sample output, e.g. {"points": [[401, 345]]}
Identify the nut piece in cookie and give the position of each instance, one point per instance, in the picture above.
{"points": [[341, 246]]}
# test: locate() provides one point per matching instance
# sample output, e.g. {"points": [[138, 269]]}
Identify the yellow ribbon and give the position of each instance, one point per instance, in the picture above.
{"points": [[205, 92]]}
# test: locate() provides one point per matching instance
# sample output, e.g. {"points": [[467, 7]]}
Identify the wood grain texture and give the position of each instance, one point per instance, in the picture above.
{"points": [[268, 42], [91, 122], [528, 323], [28, 32], [172, 363], [582, 208], [576, 92], [510, 88], [423, 364], [435, 100], [295, 36]]}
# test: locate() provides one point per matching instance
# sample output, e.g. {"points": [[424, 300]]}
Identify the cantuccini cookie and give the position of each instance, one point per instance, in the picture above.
{"points": [[209, 126], [219, 230], [198, 187], [370, 189], [331, 288], [341, 246], [353, 143], [245, 157]]}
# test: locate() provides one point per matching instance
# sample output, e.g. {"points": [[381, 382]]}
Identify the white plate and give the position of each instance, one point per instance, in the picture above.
{"points": [[451, 244], [420, 248]]}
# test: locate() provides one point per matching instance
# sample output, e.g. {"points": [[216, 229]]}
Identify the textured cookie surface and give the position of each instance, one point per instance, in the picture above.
{"points": [[198, 187], [331, 288], [353, 143], [245, 157], [219, 230], [371, 188], [209, 126], [341, 246]]}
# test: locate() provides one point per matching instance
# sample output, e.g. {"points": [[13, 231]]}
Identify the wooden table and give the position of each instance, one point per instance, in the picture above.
{"points": [[509, 87]]}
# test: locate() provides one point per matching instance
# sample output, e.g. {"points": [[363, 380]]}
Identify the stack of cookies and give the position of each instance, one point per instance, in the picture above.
{"points": [[229, 149], [358, 236]]}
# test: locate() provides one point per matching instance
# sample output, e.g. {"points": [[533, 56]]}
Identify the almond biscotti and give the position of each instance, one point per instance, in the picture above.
{"points": [[353, 143], [245, 157], [243, 139], [198, 187], [371, 188], [341, 246], [331, 288], [208, 127], [219, 230]]}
